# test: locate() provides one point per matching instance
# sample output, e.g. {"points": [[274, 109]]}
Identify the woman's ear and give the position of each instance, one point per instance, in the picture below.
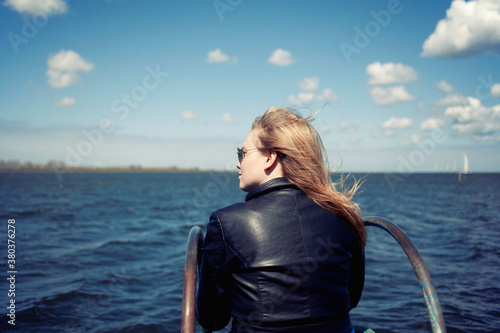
{"points": [[271, 160]]}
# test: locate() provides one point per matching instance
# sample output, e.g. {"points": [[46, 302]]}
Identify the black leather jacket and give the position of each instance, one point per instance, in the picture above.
{"points": [[279, 263]]}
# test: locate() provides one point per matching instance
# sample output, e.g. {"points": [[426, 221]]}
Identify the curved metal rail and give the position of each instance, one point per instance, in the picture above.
{"points": [[193, 257], [430, 294], [193, 249]]}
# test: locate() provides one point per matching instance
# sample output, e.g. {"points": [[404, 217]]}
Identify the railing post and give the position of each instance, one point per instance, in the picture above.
{"points": [[193, 248], [430, 294]]}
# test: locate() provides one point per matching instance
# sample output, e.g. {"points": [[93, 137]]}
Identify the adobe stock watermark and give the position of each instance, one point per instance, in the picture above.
{"points": [[363, 37], [483, 89], [408, 164], [194, 212], [223, 6], [30, 26], [120, 107]]}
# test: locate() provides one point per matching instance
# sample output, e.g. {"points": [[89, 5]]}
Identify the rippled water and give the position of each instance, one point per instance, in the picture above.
{"points": [[104, 252]]}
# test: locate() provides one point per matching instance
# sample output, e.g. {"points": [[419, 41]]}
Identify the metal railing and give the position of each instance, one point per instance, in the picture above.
{"points": [[430, 294], [193, 258]]}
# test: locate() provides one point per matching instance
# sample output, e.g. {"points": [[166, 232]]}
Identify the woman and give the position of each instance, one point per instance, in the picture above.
{"points": [[291, 257]]}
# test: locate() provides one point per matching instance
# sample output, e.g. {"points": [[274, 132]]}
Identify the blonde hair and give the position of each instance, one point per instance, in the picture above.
{"points": [[304, 162]]}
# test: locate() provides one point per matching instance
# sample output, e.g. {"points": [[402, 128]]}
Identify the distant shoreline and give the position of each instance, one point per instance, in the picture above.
{"points": [[106, 170], [61, 167]]}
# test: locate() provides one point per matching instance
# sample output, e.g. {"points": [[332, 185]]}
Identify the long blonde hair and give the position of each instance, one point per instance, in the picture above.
{"points": [[305, 164]]}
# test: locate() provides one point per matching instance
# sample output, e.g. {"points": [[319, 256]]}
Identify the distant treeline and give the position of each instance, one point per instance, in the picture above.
{"points": [[57, 166]]}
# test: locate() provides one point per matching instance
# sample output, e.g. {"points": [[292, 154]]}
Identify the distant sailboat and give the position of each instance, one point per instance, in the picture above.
{"points": [[465, 170]]}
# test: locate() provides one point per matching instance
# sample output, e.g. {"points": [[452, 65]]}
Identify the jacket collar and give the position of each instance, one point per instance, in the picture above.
{"points": [[271, 185]]}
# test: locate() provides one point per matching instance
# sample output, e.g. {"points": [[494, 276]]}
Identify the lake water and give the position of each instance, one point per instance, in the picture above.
{"points": [[104, 252]]}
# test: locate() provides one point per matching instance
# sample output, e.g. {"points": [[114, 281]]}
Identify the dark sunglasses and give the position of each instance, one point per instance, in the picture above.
{"points": [[242, 153]]}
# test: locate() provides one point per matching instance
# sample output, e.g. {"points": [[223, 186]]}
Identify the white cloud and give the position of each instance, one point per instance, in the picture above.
{"points": [[281, 57], [432, 124], [323, 129], [390, 73], [349, 127], [58, 80], [359, 143], [302, 98], [189, 115], [469, 28], [455, 99], [65, 102], [390, 96], [327, 96], [414, 138], [227, 118], [495, 90], [309, 84], [216, 56], [474, 119], [69, 61], [476, 129], [484, 138], [308, 95], [397, 123], [445, 87], [468, 112], [63, 69], [37, 7], [377, 133]]}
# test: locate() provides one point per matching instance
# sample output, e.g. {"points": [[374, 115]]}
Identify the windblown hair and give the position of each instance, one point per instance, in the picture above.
{"points": [[305, 164]]}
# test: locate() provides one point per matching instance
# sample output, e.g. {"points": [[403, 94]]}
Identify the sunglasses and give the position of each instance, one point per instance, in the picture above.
{"points": [[242, 153]]}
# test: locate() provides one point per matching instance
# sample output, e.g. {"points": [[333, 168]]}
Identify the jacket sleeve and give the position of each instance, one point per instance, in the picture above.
{"points": [[357, 273], [213, 301]]}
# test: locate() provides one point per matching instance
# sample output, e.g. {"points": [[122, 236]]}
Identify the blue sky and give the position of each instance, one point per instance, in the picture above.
{"points": [[405, 85]]}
